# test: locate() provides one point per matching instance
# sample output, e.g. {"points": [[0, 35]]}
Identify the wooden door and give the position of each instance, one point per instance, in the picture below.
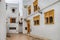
{"points": [[28, 26]]}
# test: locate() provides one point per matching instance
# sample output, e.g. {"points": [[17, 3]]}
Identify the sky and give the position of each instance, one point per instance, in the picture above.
{"points": [[16, 1]]}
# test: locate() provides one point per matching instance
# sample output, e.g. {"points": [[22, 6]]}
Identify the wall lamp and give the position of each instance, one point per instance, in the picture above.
{"points": [[40, 12]]}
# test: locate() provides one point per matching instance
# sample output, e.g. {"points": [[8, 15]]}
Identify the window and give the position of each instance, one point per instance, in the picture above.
{"points": [[49, 17], [46, 20], [36, 20], [35, 7], [12, 20], [13, 10], [12, 28], [35, 4], [25, 28], [29, 10]]}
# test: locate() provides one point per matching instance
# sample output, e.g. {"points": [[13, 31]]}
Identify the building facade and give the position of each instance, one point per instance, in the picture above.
{"points": [[12, 17], [2, 20], [41, 18]]}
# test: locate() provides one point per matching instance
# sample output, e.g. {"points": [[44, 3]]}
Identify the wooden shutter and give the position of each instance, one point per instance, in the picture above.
{"points": [[36, 20], [10, 20], [29, 10], [35, 4], [46, 16], [49, 17]]}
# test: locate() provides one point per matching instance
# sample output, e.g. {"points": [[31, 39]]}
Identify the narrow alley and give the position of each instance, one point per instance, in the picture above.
{"points": [[29, 19], [18, 37], [21, 37]]}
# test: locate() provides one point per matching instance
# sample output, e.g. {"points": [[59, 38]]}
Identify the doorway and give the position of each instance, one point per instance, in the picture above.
{"points": [[20, 27], [28, 26]]}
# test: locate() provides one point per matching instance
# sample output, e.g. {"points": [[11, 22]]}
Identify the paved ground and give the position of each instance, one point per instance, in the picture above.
{"points": [[20, 37]]}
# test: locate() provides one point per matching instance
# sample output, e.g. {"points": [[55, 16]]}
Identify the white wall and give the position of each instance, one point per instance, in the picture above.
{"points": [[2, 21], [48, 31], [13, 15]]}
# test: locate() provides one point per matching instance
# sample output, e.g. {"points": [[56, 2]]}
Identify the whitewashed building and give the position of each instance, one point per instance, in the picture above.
{"points": [[2, 20], [12, 11], [41, 18]]}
